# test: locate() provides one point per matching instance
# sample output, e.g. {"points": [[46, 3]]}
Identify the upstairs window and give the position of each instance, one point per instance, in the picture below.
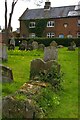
{"points": [[50, 35], [50, 24], [32, 25], [79, 23]]}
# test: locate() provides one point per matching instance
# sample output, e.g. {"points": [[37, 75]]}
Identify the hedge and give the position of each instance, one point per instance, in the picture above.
{"points": [[46, 41]]}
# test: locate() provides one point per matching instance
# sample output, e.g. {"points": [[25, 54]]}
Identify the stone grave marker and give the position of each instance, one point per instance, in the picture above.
{"points": [[39, 65], [3, 48], [5, 74], [72, 47], [35, 45], [53, 43], [41, 46], [50, 53]]}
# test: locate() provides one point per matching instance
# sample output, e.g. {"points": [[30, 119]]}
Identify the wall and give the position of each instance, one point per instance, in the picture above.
{"points": [[59, 28]]}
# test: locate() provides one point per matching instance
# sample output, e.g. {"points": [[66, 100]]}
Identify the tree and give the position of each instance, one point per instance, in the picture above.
{"points": [[8, 25]]}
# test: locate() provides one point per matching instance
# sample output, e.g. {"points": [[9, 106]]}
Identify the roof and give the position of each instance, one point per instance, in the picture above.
{"points": [[53, 12]]}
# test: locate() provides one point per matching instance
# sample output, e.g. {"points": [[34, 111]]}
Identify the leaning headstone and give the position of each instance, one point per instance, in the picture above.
{"points": [[4, 52], [73, 44], [29, 46], [53, 43], [24, 42], [3, 47], [72, 47], [38, 66], [12, 41], [50, 53], [41, 46], [11, 47], [60, 46], [21, 46], [6, 74], [35, 45]]}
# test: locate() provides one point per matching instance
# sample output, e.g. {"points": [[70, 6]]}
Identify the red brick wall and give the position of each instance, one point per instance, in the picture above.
{"points": [[59, 28]]}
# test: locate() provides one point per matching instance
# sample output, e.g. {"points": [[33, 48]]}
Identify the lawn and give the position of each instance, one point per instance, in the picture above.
{"points": [[19, 61]]}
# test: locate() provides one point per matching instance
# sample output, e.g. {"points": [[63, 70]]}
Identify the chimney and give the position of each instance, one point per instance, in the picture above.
{"points": [[47, 5]]}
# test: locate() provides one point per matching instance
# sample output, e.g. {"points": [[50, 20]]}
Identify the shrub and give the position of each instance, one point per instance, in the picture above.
{"points": [[46, 41]]}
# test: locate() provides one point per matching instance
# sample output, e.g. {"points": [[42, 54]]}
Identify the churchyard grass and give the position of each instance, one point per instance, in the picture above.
{"points": [[19, 62]]}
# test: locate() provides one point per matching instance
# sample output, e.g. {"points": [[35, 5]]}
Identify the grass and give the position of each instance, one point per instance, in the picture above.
{"points": [[19, 61]]}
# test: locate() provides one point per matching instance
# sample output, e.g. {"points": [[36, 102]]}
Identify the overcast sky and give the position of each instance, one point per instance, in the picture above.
{"points": [[22, 5]]}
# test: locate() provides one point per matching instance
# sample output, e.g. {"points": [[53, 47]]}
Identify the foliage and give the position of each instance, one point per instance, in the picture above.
{"points": [[52, 76], [39, 27], [46, 41], [47, 100]]}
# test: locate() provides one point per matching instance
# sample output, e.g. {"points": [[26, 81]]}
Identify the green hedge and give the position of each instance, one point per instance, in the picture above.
{"points": [[46, 41]]}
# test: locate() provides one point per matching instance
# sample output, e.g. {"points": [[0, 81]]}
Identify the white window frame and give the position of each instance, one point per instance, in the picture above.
{"points": [[32, 35], [69, 36], [79, 22], [50, 35], [50, 24], [78, 35], [32, 25]]}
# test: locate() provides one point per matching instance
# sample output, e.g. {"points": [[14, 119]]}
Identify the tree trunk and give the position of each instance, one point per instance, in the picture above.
{"points": [[6, 31]]}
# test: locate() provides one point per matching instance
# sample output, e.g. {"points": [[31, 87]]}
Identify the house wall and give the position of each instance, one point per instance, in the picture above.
{"points": [[58, 29], [23, 29]]}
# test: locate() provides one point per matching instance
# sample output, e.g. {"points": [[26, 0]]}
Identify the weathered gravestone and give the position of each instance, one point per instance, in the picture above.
{"points": [[35, 45], [29, 47], [3, 47], [72, 47], [4, 52], [53, 43], [14, 107], [41, 46], [23, 45], [38, 66], [50, 53], [5, 74], [12, 41]]}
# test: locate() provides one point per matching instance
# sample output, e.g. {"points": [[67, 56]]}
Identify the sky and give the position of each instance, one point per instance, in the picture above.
{"points": [[23, 4]]}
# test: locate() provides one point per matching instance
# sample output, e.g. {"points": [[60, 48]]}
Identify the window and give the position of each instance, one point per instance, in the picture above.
{"points": [[50, 24], [69, 36], [32, 35], [32, 25], [61, 36], [78, 34], [65, 25], [79, 23], [50, 35]]}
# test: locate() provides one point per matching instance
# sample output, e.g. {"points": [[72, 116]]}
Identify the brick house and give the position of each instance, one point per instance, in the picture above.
{"points": [[51, 21]]}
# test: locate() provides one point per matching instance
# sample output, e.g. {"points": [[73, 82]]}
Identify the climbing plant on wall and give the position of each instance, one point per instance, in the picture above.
{"points": [[40, 25]]}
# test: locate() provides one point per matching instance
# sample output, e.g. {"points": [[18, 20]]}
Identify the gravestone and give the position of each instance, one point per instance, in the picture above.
{"points": [[4, 52], [21, 46], [53, 43], [39, 65], [6, 74], [3, 47], [12, 41], [24, 42], [72, 47], [11, 47], [29, 47], [50, 53], [35, 45], [41, 46]]}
